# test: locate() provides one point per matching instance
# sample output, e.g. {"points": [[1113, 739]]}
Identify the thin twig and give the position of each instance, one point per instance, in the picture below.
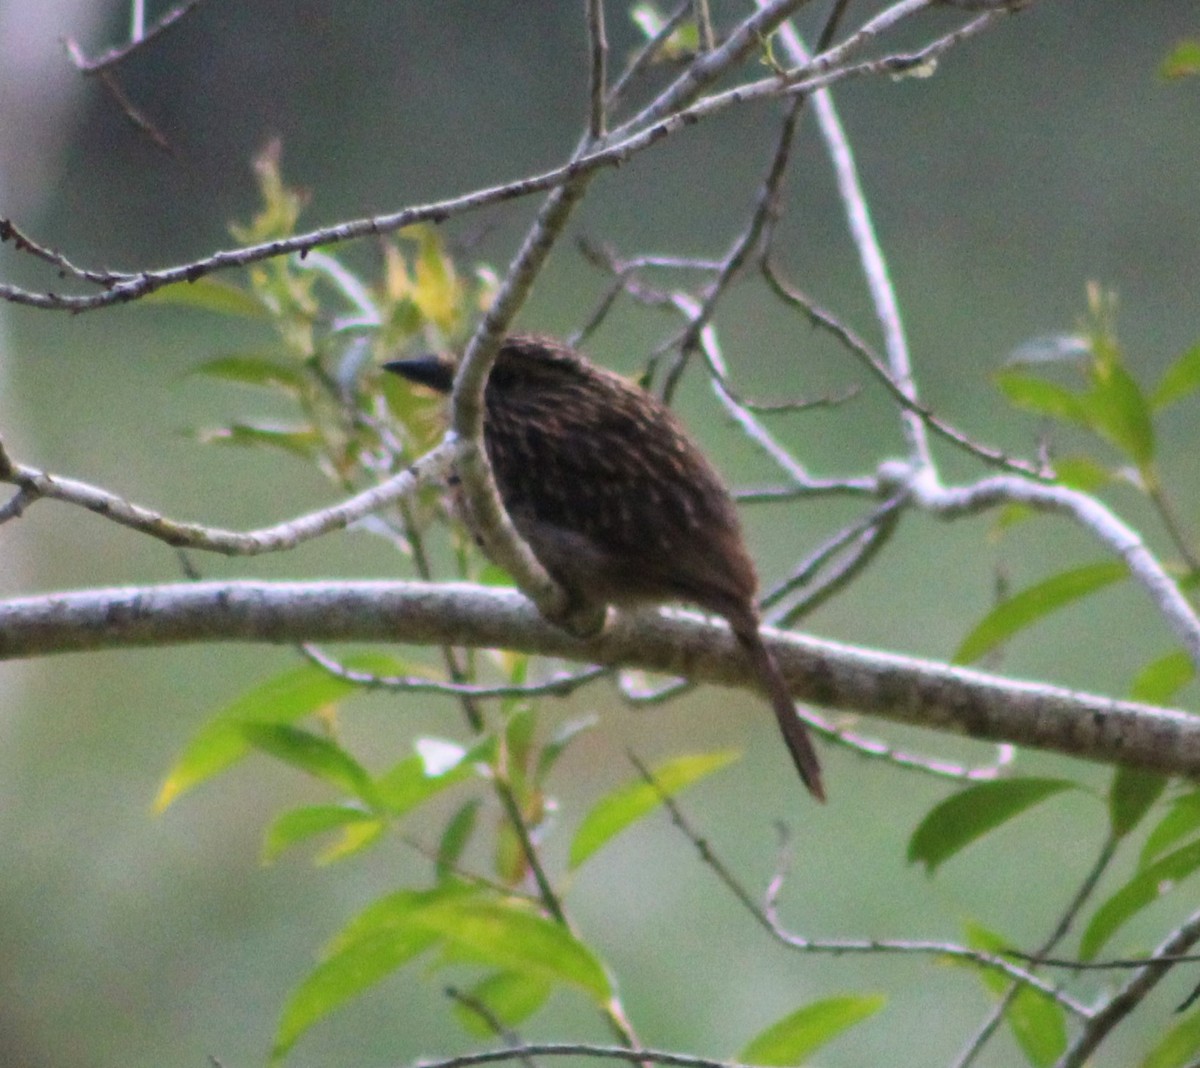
{"points": [[803, 573], [616, 149], [766, 206], [647, 53], [598, 48], [561, 685], [1089, 513], [1125, 1000], [116, 55], [41, 484], [766, 917], [818, 316], [1038, 957], [874, 749]]}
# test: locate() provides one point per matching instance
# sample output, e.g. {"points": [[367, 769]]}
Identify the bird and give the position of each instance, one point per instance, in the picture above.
{"points": [[616, 499]]}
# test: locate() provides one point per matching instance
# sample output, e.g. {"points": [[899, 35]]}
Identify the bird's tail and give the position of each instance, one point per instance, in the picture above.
{"points": [[795, 733]]}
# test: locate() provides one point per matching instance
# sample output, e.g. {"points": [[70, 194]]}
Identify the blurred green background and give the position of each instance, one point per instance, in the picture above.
{"points": [[1042, 155]]}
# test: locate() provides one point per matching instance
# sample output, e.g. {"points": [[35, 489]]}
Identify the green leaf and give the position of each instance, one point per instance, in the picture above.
{"points": [[1160, 681], [1179, 380], [518, 740], [969, 814], [432, 769], [1118, 410], [1037, 1021], [508, 998], [507, 935], [320, 757], [303, 823], [300, 440], [354, 838], [797, 1036], [1183, 62], [254, 369], [455, 838], [1041, 397], [1082, 473], [1177, 1048], [558, 744], [382, 938], [629, 803], [284, 699], [210, 294], [1146, 887], [1181, 820], [1027, 607], [1131, 796]]}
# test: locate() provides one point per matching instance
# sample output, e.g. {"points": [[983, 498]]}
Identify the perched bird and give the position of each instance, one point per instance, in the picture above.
{"points": [[616, 500]]}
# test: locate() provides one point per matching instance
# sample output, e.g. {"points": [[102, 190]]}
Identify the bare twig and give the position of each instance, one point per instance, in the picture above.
{"points": [[818, 316], [862, 231], [36, 485], [874, 749], [561, 685], [598, 43], [647, 53], [803, 573], [766, 917], [1038, 957], [616, 149], [1089, 513], [115, 56], [1125, 1000]]}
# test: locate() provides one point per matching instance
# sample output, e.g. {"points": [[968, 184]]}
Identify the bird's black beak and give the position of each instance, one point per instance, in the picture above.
{"points": [[436, 372]]}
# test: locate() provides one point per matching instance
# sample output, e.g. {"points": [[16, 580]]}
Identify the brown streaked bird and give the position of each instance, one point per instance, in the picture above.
{"points": [[616, 500]]}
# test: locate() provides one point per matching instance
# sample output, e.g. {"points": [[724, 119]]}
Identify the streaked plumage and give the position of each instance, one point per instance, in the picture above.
{"points": [[616, 500]]}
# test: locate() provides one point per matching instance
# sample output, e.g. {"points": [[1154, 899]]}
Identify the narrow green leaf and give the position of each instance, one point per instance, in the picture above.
{"points": [[303, 823], [1183, 62], [320, 757], [1036, 1020], [518, 740], [507, 935], [1041, 397], [1027, 607], [254, 369], [1160, 681], [455, 838], [210, 294], [427, 773], [797, 1036], [1178, 1047], [1146, 887], [382, 938], [507, 999], [563, 737], [1082, 473], [300, 440], [1131, 796], [629, 803], [1117, 408], [1179, 380], [969, 814], [1181, 821], [284, 699], [355, 837]]}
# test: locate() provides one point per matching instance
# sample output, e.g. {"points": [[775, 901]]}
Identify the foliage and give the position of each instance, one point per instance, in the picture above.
{"points": [[503, 920]]}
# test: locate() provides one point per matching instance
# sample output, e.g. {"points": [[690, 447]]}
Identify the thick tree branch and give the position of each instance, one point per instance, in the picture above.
{"points": [[899, 688]]}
